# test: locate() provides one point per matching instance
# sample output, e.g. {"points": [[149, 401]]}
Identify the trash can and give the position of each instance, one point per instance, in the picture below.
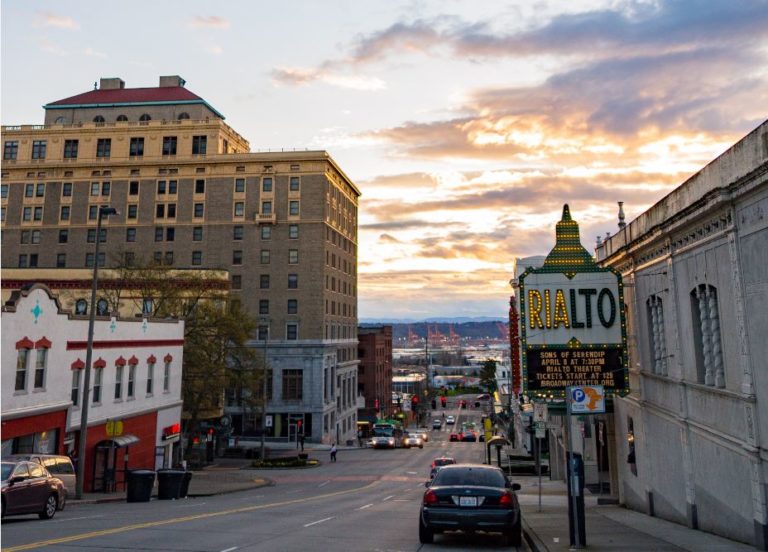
{"points": [[140, 483], [169, 484], [185, 484]]}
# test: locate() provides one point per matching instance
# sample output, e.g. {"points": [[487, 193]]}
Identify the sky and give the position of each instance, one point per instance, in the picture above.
{"points": [[466, 125]]}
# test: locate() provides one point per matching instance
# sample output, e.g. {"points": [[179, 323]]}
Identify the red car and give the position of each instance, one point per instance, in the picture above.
{"points": [[454, 437], [28, 488]]}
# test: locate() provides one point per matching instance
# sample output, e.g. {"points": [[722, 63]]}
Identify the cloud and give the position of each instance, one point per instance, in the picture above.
{"points": [[48, 19], [216, 50], [90, 52], [46, 45], [293, 76], [209, 22]]}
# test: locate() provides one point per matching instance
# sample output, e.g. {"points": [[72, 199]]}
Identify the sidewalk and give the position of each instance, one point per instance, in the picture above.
{"points": [[608, 527]]}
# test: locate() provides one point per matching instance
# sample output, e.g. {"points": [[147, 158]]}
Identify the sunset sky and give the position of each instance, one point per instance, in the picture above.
{"points": [[465, 124]]}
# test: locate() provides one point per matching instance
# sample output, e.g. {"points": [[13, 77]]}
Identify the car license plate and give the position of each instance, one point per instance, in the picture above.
{"points": [[467, 501]]}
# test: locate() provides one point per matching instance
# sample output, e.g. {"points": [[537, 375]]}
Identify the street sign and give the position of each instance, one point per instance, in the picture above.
{"points": [[540, 412], [539, 425], [268, 421], [540, 433], [586, 399]]}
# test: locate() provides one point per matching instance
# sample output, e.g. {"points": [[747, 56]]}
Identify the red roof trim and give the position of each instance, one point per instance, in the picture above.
{"points": [[124, 343], [101, 363], [130, 95], [78, 365], [24, 343], [43, 343]]}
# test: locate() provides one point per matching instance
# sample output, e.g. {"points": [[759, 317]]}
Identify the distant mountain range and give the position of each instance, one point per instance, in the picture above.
{"points": [[440, 330], [439, 319]]}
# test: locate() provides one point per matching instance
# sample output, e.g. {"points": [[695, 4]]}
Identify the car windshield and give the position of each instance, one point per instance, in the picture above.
{"points": [[470, 476], [7, 470]]}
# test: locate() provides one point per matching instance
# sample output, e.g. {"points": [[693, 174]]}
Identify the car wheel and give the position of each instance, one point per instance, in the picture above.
{"points": [[426, 535], [421, 446], [49, 508], [514, 536]]}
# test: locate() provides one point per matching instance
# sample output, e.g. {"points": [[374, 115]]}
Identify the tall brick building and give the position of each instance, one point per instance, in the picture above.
{"points": [[374, 374], [191, 195]]}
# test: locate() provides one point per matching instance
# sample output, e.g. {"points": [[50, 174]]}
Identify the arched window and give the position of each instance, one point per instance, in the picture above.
{"points": [[122, 118], [102, 307], [60, 120], [98, 119], [145, 117], [656, 330], [706, 335], [81, 306], [183, 116]]}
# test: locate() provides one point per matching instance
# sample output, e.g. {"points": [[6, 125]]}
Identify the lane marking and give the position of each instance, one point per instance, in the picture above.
{"points": [[160, 523], [319, 521], [387, 498], [230, 549], [74, 518], [364, 507], [323, 484]]}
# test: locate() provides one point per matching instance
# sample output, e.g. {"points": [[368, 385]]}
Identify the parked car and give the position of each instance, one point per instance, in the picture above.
{"points": [[383, 442], [483, 397], [28, 488], [437, 424], [454, 437], [470, 497], [57, 465], [438, 463], [469, 437], [450, 420], [412, 440]]}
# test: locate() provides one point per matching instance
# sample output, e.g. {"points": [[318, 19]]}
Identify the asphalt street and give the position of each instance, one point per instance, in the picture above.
{"points": [[368, 500]]}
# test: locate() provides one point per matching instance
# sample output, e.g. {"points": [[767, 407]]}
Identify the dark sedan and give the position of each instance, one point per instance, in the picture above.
{"points": [[469, 437], [28, 488], [471, 497]]}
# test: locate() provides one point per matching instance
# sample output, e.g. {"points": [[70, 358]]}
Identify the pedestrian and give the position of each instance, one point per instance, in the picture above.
{"points": [[359, 437], [301, 441], [333, 452]]}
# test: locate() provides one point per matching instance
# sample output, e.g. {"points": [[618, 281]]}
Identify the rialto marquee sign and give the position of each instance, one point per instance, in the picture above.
{"points": [[572, 321]]}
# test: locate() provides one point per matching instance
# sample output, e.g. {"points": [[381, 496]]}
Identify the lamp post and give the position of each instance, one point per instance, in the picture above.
{"points": [[103, 212], [264, 393]]}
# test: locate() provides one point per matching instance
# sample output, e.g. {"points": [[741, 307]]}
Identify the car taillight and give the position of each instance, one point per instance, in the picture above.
{"points": [[430, 498], [507, 500]]}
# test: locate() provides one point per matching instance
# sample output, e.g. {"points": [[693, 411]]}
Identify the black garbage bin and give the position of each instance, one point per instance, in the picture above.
{"points": [[185, 484], [169, 484], [140, 483]]}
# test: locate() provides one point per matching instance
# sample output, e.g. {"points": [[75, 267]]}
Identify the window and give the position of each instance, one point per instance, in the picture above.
{"points": [[237, 281], [266, 184], [40, 364], [40, 190], [199, 186], [237, 257], [197, 233], [103, 147], [22, 359], [263, 306], [293, 231], [266, 232], [145, 117], [4, 193], [161, 187], [26, 214], [293, 384], [33, 260], [130, 258], [293, 208], [264, 257], [70, 149], [106, 187], [130, 234], [29, 190], [81, 307], [266, 207], [292, 331], [150, 376], [97, 379], [263, 333], [158, 257], [293, 306], [24, 236], [239, 209], [147, 305], [169, 145], [170, 234], [199, 145], [136, 147], [91, 237], [75, 393], [35, 237], [11, 149], [264, 281], [237, 233], [38, 149], [294, 184], [89, 259], [239, 185], [131, 381], [656, 332], [197, 258], [293, 256], [95, 188], [63, 236], [122, 118], [23, 261], [158, 234], [183, 115], [66, 189], [199, 210], [98, 119], [93, 212], [707, 341], [167, 377], [293, 281], [133, 188], [133, 212], [118, 382], [61, 260]]}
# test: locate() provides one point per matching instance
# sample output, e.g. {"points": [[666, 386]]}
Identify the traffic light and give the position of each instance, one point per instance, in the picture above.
{"points": [[415, 400], [210, 431]]}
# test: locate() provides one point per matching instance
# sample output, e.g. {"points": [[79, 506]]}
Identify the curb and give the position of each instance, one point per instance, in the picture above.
{"points": [[532, 539]]}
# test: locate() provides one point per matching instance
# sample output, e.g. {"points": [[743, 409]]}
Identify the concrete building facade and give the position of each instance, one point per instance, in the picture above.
{"points": [[191, 195], [694, 429]]}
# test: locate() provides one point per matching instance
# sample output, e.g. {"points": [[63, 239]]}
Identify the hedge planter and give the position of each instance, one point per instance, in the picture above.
{"points": [[278, 463]]}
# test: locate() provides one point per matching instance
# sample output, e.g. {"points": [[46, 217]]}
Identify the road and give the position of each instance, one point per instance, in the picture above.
{"points": [[368, 500]]}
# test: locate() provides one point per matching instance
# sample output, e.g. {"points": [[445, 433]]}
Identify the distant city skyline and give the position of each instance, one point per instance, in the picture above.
{"points": [[466, 129]]}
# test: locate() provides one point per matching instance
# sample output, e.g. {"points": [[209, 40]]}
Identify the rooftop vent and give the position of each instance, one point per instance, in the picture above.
{"points": [[113, 83], [172, 80]]}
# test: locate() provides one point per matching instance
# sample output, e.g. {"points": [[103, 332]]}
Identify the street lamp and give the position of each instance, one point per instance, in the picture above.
{"points": [[103, 212], [264, 392]]}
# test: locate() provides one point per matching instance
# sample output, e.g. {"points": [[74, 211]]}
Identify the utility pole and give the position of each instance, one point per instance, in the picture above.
{"points": [[264, 394]]}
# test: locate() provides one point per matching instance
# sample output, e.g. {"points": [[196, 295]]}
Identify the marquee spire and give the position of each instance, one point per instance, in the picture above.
{"points": [[568, 253]]}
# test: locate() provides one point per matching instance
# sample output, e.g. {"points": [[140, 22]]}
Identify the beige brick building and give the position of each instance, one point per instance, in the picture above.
{"points": [[191, 195]]}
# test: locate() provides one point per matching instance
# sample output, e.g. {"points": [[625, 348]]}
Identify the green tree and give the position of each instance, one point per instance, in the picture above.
{"points": [[488, 375]]}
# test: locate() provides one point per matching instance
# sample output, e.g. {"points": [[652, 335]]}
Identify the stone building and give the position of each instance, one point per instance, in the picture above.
{"points": [[695, 425], [374, 374], [189, 194]]}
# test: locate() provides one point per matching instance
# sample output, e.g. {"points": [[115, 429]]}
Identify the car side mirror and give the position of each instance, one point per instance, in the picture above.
{"points": [[16, 479], [427, 483]]}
